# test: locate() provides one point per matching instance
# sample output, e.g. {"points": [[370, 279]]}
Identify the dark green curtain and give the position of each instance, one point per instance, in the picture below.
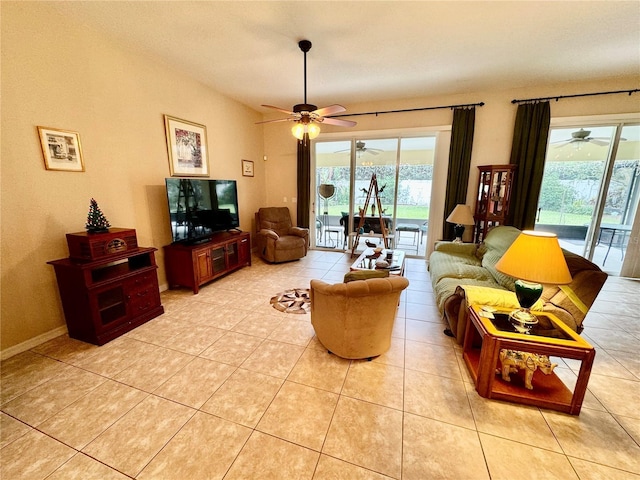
{"points": [[459, 163], [304, 181], [528, 152]]}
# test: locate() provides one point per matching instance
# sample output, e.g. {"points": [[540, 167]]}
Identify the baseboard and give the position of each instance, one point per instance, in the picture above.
{"points": [[32, 342], [45, 337]]}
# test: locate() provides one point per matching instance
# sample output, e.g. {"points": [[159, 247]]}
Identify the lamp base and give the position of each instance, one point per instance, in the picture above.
{"points": [[528, 293], [458, 231], [522, 320]]}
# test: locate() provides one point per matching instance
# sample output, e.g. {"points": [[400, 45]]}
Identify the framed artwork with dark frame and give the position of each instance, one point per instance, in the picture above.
{"points": [[187, 148], [61, 149], [247, 168]]}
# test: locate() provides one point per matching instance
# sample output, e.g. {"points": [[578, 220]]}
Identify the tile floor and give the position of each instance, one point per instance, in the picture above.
{"points": [[224, 386]]}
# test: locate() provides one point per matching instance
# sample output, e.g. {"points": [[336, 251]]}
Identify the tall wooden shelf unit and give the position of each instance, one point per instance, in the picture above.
{"points": [[494, 197], [194, 265]]}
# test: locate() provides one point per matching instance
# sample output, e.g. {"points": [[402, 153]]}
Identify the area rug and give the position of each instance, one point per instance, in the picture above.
{"points": [[295, 300]]}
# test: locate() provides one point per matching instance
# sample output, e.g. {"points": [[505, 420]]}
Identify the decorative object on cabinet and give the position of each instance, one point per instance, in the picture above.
{"points": [[192, 265], [93, 246], [103, 298], [96, 221], [461, 216], [247, 168], [187, 148], [61, 149], [494, 196]]}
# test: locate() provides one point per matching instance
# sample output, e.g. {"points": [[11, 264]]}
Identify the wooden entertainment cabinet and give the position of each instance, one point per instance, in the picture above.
{"points": [[106, 297], [194, 265]]}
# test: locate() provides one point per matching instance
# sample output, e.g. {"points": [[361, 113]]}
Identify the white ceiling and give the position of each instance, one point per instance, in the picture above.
{"points": [[368, 51]]}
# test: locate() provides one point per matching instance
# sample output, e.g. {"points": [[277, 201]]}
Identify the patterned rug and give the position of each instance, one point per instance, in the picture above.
{"points": [[295, 300]]}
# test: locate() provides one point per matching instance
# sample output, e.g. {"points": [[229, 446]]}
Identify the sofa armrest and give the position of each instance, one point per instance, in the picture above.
{"points": [[299, 231], [452, 247], [269, 234], [494, 297]]}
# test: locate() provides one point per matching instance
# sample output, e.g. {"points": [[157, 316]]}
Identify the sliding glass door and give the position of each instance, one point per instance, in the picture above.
{"points": [[344, 169], [591, 189]]}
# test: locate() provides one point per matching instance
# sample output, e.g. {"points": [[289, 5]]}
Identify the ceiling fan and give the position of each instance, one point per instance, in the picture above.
{"points": [[361, 148], [582, 136], [307, 116]]}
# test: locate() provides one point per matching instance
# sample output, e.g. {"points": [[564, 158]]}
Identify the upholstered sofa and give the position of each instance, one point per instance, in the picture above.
{"points": [[355, 319], [277, 240], [455, 265]]}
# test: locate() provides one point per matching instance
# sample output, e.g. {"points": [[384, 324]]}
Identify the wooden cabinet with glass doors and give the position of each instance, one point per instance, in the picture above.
{"points": [[494, 195]]}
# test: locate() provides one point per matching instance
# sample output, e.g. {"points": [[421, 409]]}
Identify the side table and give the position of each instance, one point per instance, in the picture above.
{"points": [[485, 337]]}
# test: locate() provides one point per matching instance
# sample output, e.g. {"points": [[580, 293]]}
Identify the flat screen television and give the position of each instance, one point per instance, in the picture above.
{"points": [[198, 208]]}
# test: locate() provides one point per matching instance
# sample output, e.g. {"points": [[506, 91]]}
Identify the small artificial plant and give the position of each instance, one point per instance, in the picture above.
{"points": [[96, 221]]}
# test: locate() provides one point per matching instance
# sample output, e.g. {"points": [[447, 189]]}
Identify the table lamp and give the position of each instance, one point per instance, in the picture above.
{"points": [[533, 258], [461, 216]]}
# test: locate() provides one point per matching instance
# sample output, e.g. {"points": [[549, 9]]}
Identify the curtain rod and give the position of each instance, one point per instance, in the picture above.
{"points": [[480, 104], [558, 97]]}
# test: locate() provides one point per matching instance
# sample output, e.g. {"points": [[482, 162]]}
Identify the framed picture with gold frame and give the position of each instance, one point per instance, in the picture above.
{"points": [[61, 149], [187, 148], [247, 168]]}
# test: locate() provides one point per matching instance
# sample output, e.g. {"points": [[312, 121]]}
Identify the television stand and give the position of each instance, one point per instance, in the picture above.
{"points": [[191, 266]]}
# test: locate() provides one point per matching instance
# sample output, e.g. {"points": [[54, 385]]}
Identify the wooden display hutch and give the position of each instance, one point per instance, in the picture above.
{"points": [[494, 196], [194, 265], [106, 297]]}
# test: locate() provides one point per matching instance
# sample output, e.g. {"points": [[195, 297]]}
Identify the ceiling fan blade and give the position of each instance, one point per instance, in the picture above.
{"points": [[330, 110], [289, 112], [561, 144], [337, 121], [273, 121], [602, 143]]}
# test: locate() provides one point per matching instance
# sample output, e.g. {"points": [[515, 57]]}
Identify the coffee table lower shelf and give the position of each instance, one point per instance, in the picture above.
{"points": [[550, 392]]}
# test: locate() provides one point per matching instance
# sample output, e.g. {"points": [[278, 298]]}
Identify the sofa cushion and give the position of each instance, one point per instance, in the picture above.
{"points": [[443, 265], [497, 241]]}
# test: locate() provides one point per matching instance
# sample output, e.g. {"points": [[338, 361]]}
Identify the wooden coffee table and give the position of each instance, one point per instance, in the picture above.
{"points": [[484, 338], [367, 261]]}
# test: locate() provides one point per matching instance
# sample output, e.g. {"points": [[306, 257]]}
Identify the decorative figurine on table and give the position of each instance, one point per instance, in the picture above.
{"points": [[96, 221], [514, 360]]}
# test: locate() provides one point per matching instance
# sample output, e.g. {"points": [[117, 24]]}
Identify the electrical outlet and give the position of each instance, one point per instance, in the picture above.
{"points": [[293, 199], [284, 199]]}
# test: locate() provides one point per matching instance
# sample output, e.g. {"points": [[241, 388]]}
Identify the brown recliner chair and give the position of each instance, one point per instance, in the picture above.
{"points": [[277, 239], [355, 319]]}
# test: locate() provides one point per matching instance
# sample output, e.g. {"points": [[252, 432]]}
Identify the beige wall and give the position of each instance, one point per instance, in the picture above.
{"points": [[72, 78]]}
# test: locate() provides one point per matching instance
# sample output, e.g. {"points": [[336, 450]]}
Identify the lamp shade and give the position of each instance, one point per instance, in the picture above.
{"points": [[535, 257], [461, 215]]}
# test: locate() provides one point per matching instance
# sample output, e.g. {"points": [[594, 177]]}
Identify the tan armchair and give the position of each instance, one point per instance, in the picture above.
{"points": [[277, 239], [355, 319]]}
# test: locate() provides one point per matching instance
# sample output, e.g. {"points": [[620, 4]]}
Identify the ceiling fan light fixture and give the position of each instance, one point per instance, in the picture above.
{"points": [[299, 129]]}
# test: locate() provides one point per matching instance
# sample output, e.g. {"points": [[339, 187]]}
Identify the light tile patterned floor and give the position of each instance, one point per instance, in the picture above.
{"points": [[225, 386]]}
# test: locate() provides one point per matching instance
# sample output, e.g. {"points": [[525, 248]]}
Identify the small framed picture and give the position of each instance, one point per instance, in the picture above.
{"points": [[247, 168], [61, 149], [187, 148]]}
